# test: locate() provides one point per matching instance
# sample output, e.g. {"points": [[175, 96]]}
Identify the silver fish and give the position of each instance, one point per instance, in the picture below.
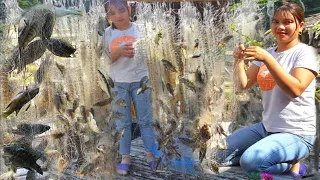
{"points": [[143, 85]]}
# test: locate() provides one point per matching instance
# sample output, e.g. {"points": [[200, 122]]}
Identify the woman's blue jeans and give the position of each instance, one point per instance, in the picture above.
{"points": [[257, 150], [143, 109]]}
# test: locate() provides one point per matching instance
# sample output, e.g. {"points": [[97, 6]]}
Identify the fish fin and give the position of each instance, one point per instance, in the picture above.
{"points": [[17, 112], [28, 107], [8, 105], [139, 91], [38, 168]]}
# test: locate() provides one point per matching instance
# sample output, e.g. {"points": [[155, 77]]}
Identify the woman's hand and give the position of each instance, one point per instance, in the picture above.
{"points": [[256, 53], [238, 52], [127, 50]]}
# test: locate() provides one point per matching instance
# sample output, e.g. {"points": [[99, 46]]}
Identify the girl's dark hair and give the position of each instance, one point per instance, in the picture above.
{"points": [[118, 3], [292, 8]]}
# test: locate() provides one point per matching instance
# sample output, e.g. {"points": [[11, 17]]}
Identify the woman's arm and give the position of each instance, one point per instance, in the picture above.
{"points": [[245, 78], [294, 85]]}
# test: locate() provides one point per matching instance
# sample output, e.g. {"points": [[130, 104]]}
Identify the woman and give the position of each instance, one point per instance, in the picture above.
{"points": [[286, 76]]}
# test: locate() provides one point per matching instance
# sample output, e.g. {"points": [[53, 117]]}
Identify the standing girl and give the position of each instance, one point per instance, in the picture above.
{"points": [[127, 71], [286, 76]]}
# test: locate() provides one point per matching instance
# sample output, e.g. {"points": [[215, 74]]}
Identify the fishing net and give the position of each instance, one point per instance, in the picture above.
{"points": [[194, 38]]}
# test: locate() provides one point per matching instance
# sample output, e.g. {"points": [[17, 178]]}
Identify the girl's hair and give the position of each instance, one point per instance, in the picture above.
{"points": [[294, 9], [118, 3]]}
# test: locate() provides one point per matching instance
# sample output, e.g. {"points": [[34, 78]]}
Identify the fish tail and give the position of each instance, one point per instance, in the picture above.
{"points": [[38, 169]]}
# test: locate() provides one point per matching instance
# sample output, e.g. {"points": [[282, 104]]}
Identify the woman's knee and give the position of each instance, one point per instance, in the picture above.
{"points": [[252, 161]]}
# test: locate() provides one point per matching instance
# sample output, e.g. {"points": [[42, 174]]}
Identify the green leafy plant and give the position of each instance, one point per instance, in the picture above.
{"points": [[250, 41], [24, 4]]}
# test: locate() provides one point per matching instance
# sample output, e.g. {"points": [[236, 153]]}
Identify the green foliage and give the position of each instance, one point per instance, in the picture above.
{"points": [[316, 28], [249, 40], [24, 4]]}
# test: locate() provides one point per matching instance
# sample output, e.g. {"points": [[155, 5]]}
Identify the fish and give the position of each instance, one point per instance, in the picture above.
{"points": [[106, 83], [93, 125], [196, 55], [164, 106], [31, 175], [33, 51], [57, 135], [102, 25], [37, 22], [58, 102], [70, 113], [173, 126], [22, 98], [21, 157], [219, 129], [103, 102], [85, 169], [117, 115], [168, 65], [43, 69], [30, 129], [121, 102], [224, 40], [60, 47], [196, 44], [190, 85], [61, 68], [83, 113], [75, 104], [170, 89], [63, 119], [205, 132], [214, 166], [143, 85]]}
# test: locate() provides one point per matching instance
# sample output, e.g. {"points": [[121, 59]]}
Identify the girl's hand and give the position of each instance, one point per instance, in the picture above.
{"points": [[127, 50], [238, 52], [255, 53]]}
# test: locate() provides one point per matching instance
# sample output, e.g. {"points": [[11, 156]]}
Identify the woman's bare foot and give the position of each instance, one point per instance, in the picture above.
{"points": [[295, 167]]}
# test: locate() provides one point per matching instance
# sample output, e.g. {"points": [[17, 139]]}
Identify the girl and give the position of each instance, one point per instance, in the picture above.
{"points": [[286, 75], [127, 71]]}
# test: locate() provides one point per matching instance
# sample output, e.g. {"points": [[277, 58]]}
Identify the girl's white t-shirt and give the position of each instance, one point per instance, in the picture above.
{"points": [[283, 113], [126, 70]]}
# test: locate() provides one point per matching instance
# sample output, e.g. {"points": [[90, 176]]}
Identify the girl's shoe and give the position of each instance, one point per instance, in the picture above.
{"points": [[153, 165], [123, 169]]}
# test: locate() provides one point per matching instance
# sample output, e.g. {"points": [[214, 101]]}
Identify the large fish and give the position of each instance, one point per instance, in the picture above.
{"points": [[22, 98], [21, 157], [30, 129], [60, 47], [33, 51], [37, 22]]}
